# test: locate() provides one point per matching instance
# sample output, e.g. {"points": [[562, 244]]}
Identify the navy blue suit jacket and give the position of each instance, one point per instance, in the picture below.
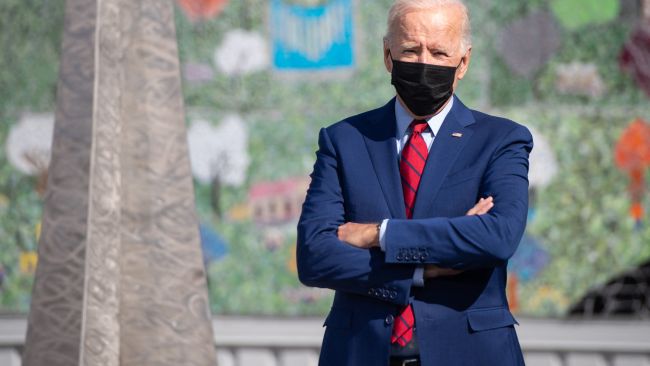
{"points": [[460, 320]]}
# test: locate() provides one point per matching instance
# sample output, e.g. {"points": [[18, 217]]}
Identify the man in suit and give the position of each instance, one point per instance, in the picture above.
{"points": [[414, 209]]}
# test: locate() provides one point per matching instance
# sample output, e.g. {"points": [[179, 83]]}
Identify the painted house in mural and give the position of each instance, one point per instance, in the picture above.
{"points": [[277, 202]]}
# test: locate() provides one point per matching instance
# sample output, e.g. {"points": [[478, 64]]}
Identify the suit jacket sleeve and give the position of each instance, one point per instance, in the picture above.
{"points": [[470, 242], [324, 260]]}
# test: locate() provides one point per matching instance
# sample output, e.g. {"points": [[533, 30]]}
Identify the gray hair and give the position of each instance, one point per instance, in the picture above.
{"points": [[402, 7]]}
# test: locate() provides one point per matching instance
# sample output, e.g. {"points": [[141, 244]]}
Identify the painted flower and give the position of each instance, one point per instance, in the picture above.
{"points": [[632, 155], [291, 263], [273, 239], [197, 73], [242, 52], [202, 9], [28, 262], [29, 143], [635, 56], [579, 78], [543, 164], [213, 245], [219, 151]]}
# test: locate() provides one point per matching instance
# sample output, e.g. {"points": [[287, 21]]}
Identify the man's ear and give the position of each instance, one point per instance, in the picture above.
{"points": [[464, 64], [388, 62]]}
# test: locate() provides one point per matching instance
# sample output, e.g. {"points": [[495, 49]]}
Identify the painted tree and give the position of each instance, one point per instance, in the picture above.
{"points": [[219, 154]]}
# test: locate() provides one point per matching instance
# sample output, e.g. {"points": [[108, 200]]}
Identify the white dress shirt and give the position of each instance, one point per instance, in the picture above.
{"points": [[404, 120]]}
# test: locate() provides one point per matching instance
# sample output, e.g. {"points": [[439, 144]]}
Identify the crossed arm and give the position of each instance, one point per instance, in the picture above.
{"points": [[366, 236]]}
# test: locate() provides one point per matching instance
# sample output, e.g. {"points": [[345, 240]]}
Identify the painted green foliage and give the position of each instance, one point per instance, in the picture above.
{"points": [[575, 14]]}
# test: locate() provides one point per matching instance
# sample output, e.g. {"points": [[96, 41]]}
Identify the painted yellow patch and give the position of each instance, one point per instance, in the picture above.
{"points": [[28, 262]]}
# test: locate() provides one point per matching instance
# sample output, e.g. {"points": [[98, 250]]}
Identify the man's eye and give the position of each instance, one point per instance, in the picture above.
{"points": [[408, 51]]}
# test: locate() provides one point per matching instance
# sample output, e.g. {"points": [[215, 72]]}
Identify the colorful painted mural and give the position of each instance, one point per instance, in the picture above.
{"points": [[579, 83]]}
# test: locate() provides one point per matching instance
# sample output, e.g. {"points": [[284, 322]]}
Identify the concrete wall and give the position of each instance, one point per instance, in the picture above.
{"points": [[248, 341]]}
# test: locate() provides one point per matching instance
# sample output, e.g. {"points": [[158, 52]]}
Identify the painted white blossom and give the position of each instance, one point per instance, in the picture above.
{"points": [[242, 52], [29, 143], [219, 151], [543, 164], [579, 78]]}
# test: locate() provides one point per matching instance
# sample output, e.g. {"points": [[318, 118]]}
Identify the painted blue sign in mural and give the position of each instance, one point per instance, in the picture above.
{"points": [[312, 37]]}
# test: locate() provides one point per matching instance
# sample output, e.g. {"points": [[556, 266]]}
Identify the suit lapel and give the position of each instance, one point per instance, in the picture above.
{"points": [[442, 155], [381, 144]]}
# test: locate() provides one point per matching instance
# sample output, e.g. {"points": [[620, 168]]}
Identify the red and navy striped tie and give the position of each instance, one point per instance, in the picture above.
{"points": [[411, 166]]}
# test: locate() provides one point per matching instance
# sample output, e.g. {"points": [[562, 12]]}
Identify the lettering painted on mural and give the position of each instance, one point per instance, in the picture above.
{"points": [[312, 37]]}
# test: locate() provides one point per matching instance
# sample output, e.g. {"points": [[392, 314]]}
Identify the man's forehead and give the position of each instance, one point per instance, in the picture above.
{"points": [[449, 16], [434, 27]]}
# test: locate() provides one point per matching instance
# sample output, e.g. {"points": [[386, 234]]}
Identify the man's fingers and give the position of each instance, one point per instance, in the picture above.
{"points": [[483, 206], [342, 231], [472, 211], [359, 235], [477, 206]]}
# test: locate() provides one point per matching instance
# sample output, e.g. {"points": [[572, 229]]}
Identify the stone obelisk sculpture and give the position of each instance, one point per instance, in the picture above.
{"points": [[120, 279]]}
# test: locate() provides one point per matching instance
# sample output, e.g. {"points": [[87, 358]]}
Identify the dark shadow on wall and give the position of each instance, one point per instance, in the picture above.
{"points": [[627, 294]]}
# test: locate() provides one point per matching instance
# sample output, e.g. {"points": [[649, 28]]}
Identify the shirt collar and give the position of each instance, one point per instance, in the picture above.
{"points": [[404, 119]]}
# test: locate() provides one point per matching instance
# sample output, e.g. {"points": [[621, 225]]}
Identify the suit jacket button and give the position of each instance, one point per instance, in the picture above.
{"points": [[423, 257], [400, 257], [371, 291], [389, 319], [393, 294]]}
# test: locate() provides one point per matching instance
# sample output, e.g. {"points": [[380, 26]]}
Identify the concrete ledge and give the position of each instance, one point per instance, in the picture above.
{"points": [[607, 336], [12, 330], [265, 341], [268, 332], [626, 336]]}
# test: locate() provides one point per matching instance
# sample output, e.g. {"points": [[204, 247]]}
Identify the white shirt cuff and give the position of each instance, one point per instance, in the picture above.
{"points": [[382, 236], [418, 277]]}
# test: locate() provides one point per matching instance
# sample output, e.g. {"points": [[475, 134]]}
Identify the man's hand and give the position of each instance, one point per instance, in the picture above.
{"points": [[363, 236], [482, 207]]}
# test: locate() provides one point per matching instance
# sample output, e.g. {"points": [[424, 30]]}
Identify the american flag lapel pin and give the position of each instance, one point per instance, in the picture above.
{"points": [[457, 134]]}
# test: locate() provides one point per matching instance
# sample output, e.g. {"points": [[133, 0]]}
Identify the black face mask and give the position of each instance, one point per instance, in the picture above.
{"points": [[423, 87]]}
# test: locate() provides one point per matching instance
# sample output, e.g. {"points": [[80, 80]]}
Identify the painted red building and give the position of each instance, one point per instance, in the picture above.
{"points": [[277, 202]]}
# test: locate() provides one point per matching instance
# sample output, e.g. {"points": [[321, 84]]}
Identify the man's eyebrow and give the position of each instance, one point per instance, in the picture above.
{"points": [[409, 45], [438, 48]]}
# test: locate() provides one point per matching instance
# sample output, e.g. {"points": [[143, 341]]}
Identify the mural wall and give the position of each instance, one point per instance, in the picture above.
{"points": [[261, 77]]}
